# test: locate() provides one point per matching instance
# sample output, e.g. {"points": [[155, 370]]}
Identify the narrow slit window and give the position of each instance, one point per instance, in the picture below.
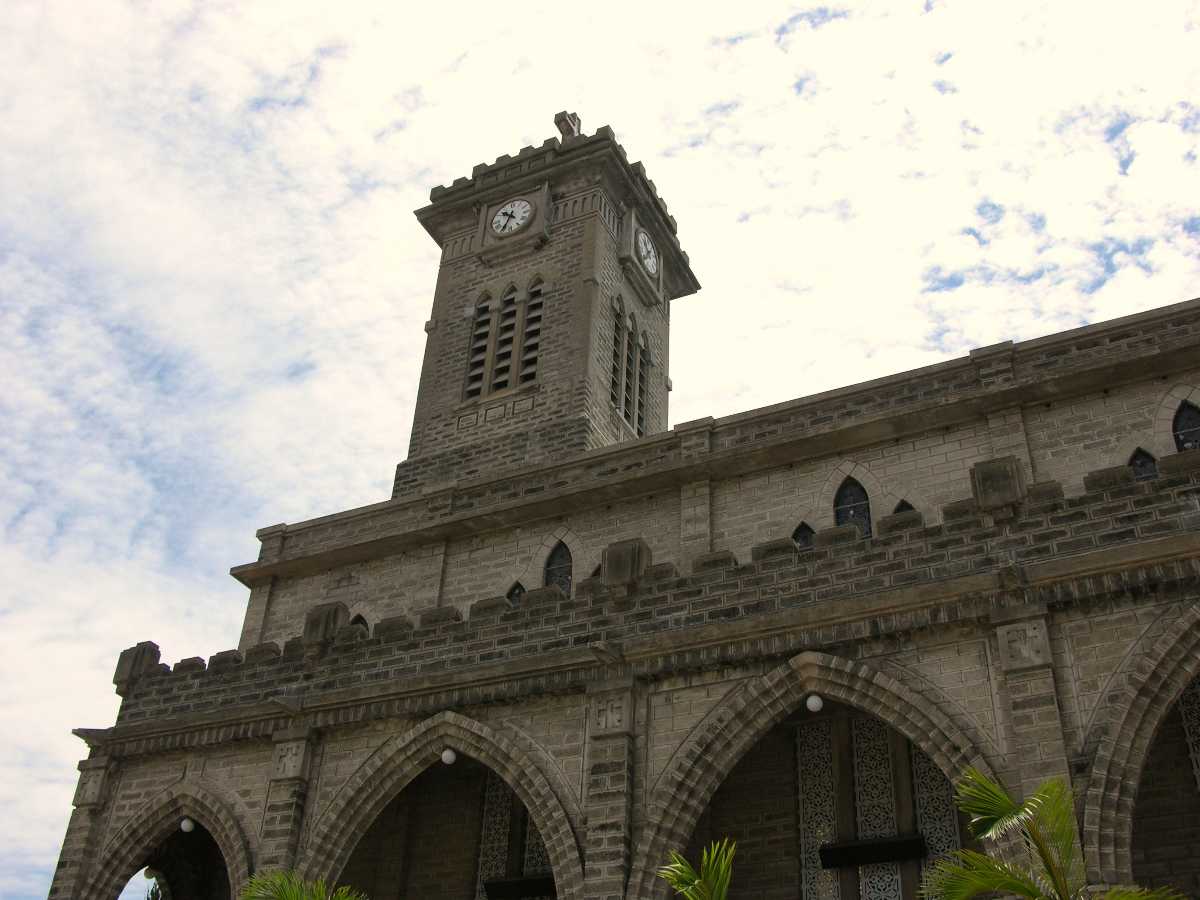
{"points": [[505, 339], [802, 537], [643, 377], [477, 354], [558, 568], [618, 358], [631, 355], [1144, 465], [1186, 427], [852, 506], [531, 334]]}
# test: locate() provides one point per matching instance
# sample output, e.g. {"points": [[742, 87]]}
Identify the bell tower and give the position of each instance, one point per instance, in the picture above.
{"points": [[549, 333]]}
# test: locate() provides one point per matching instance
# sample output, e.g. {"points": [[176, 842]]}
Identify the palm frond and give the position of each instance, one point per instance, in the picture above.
{"points": [[993, 811], [290, 886], [685, 880], [967, 873], [711, 882]]}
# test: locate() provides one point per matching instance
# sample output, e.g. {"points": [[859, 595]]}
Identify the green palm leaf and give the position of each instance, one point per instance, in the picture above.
{"points": [[290, 886], [711, 882], [967, 873], [1141, 894]]}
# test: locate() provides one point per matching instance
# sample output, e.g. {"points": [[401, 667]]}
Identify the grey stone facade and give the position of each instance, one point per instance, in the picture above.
{"points": [[1035, 613]]}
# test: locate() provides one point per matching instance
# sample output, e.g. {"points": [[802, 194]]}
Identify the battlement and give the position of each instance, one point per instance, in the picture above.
{"points": [[1006, 547]]}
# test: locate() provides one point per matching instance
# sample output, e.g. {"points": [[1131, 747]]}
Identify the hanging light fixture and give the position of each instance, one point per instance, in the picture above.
{"points": [[449, 756], [186, 825], [814, 703]]}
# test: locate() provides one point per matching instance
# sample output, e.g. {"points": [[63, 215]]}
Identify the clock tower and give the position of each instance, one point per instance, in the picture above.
{"points": [[550, 327]]}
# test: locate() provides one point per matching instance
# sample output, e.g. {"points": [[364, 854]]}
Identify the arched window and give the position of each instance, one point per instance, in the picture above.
{"points": [[629, 397], [1186, 427], [505, 341], [1144, 465], [515, 593], [802, 537], [642, 378], [618, 354], [851, 505], [359, 620], [903, 506], [558, 568]]}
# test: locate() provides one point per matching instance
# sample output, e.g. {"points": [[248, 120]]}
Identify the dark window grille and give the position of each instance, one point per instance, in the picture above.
{"points": [[1144, 465], [1186, 427], [802, 537], [631, 354], [643, 377], [505, 337], [852, 506], [558, 568], [481, 331]]}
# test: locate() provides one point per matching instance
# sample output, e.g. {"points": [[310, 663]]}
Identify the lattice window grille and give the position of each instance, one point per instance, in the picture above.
{"points": [[933, 799], [494, 832], [616, 389], [631, 355], [875, 804], [818, 808], [1189, 709], [537, 859]]}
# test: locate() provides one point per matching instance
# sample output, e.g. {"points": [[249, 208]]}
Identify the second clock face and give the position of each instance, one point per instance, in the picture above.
{"points": [[512, 216], [646, 252]]}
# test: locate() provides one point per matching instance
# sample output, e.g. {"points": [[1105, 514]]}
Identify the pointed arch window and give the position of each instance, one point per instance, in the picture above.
{"points": [[558, 568], [359, 620], [852, 506], [802, 537], [1186, 427], [515, 593], [903, 506], [1144, 465], [630, 377], [505, 341]]}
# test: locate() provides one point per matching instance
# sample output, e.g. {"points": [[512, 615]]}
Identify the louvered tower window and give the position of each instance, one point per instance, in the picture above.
{"points": [[558, 568], [629, 394], [477, 355], [851, 505], [506, 336], [643, 377], [505, 341], [1186, 427], [618, 357], [1144, 465], [532, 333]]}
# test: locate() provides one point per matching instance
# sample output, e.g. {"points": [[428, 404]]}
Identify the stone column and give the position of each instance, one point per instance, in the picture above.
{"points": [[608, 798], [1038, 748], [79, 845], [286, 793]]}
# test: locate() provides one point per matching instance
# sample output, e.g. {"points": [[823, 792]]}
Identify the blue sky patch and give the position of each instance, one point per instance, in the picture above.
{"points": [[944, 87], [814, 18], [1107, 253], [989, 211], [942, 58], [937, 281], [1192, 225]]}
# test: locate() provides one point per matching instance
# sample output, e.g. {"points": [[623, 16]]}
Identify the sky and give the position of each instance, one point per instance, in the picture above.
{"points": [[212, 287]]}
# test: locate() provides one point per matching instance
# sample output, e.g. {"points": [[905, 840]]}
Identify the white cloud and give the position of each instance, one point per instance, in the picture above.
{"points": [[212, 288]]}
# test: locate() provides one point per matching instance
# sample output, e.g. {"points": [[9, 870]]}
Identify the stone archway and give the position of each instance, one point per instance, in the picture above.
{"points": [[524, 766], [158, 820], [1154, 680], [730, 729]]}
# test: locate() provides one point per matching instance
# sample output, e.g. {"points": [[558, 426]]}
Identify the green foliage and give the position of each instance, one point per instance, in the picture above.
{"points": [[1044, 823], [711, 882], [290, 886]]}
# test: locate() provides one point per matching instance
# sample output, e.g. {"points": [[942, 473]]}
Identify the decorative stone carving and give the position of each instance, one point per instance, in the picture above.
{"points": [[875, 804], [291, 759], [610, 713], [624, 562], [1023, 645], [818, 808], [1189, 709], [93, 777], [998, 482]]}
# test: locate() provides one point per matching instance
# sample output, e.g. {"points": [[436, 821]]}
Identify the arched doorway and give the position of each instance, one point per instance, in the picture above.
{"points": [[832, 805], [1166, 817], [186, 865], [456, 831]]}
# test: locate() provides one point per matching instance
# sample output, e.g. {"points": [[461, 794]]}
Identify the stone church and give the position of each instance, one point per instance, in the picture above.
{"points": [[573, 640]]}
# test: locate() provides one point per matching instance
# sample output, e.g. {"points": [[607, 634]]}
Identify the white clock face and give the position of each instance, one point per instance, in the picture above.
{"points": [[646, 252], [512, 216]]}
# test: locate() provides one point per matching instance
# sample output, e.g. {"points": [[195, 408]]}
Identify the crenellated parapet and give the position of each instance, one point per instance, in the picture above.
{"points": [[1007, 546]]}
